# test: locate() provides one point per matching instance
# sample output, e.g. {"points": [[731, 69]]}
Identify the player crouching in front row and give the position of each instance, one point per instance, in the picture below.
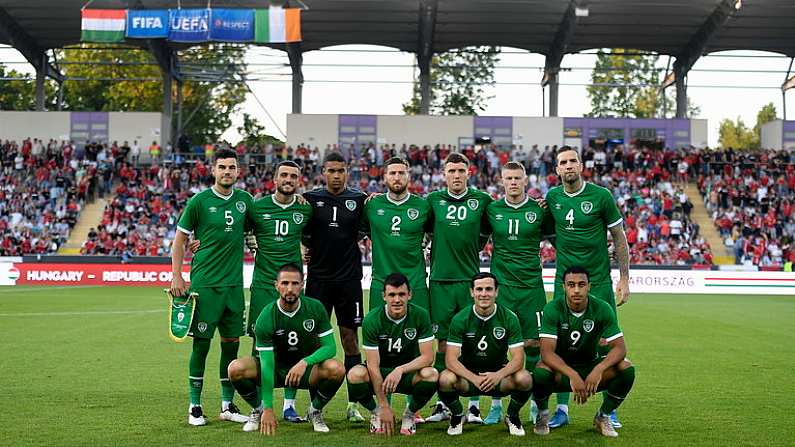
{"points": [[570, 361], [398, 343], [482, 336], [296, 348]]}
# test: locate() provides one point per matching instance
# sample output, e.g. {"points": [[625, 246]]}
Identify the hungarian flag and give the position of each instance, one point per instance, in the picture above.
{"points": [[277, 25], [103, 25]]}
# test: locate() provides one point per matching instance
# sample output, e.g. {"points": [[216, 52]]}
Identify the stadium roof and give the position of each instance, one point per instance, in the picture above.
{"points": [[663, 26]]}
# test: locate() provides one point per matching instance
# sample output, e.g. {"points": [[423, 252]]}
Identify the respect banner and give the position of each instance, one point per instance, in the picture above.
{"points": [[232, 25]]}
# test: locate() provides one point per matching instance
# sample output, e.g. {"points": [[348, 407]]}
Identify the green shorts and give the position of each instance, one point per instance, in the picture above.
{"points": [[280, 374], [405, 386], [218, 307], [260, 297], [527, 303], [602, 291], [447, 298], [473, 390], [419, 295]]}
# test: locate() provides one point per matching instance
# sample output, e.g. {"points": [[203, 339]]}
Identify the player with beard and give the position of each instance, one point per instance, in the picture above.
{"points": [[334, 259], [217, 216]]}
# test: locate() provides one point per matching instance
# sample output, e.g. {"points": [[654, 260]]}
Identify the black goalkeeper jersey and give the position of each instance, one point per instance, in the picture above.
{"points": [[332, 234]]}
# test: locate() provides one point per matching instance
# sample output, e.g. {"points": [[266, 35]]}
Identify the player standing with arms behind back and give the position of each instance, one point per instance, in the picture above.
{"points": [[583, 214], [335, 261], [217, 217]]}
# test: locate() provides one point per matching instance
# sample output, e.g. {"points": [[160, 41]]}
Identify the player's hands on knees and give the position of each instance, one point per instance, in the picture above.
{"points": [[593, 380], [295, 373], [194, 245], [268, 422], [490, 380], [387, 417], [178, 286], [622, 292], [578, 388], [392, 380]]}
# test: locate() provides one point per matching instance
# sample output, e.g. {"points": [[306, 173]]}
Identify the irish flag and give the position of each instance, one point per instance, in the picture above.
{"points": [[103, 25], [277, 25]]}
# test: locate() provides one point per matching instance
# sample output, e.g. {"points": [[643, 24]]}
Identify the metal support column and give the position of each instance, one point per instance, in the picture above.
{"points": [[425, 85], [681, 90], [296, 57], [41, 74], [553, 94], [168, 111]]}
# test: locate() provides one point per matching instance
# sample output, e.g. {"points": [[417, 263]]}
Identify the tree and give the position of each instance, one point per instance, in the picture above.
{"points": [[253, 133], [207, 105], [20, 94], [765, 115], [736, 134], [459, 79], [627, 84]]}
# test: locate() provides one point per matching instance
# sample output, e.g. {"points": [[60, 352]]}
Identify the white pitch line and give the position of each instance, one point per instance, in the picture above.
{"points": [[98, 312], [20, 289]]}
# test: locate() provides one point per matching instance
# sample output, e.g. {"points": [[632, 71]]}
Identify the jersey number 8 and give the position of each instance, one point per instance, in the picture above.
{"points": [[292, 338]]}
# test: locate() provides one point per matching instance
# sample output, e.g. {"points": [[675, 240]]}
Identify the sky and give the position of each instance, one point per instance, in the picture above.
{"points": [[360, 79]]}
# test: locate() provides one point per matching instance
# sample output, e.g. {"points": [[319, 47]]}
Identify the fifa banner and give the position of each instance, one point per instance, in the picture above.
{"points": [[232, 25], [147, 24], [674, 282], [271, 25], [189, 25]]}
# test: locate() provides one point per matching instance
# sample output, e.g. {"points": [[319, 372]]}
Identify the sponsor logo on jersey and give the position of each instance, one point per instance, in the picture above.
{"points": [[587, 325], [320, 203], [498, 217], [298, 218], [586, 207], [202, 326], [309, 325], [241, 206], [557, 206], [564, 325], [498, 332], [266, 216], [212, 209], [380, 212], [473, 204], [350, 204], [410, 333], [530, 216], [413, 213], [442, 202]]}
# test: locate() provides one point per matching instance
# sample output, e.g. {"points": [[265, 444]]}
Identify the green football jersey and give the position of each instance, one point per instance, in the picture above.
{"points": [[278, 229], [516, 232], [396, 230], [485, 342], [581, 223], [218, 222], [578, 335], [397, 341], [292, 336], [456, 233]]}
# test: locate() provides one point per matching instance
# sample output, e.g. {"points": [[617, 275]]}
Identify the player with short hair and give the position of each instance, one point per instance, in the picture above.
{"points": [[398, 343], [397, 222], [570, 358], [480, 339], [335, 261], [583, 214], [458, 212], [296, 347], [217, 216], [278, 223], [517, 225]]}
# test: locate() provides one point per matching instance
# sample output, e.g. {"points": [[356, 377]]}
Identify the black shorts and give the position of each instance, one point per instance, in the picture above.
{"points": [[344, 297]]}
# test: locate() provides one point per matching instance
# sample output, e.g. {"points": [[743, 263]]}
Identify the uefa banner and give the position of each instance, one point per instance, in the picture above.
{"points": [[189, 25], [147, 23], [232, 25]]}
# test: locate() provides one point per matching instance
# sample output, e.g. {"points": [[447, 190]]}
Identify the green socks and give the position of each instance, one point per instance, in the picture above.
{"points": [[289, 393], [617, 390], [360, 392], [198, 357], [228, 354], [422, 393], [247, 388], [325, 390], [450, 398], [543, 384]]}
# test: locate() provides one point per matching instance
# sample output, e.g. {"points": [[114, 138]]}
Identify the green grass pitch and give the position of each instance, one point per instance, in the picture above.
{"points": [[94, 366]]}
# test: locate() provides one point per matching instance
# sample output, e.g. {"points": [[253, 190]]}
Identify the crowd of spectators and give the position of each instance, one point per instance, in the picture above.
{"points": [[751, 195]]}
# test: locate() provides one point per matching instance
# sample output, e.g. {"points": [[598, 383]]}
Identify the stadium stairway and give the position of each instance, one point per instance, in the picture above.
{"points": [[90, 216], [701, 216]]}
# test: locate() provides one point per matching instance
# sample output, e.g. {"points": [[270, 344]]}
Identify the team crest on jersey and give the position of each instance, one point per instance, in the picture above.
{"points": [[350, 204], [413, 213], [499, 332], [587, 325], [434, 328], [241, 206], [309, 325], [586, 207], [530, 217], [473, 204], [410, 333], [202, 326], [212, 209], [298, 218]]}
